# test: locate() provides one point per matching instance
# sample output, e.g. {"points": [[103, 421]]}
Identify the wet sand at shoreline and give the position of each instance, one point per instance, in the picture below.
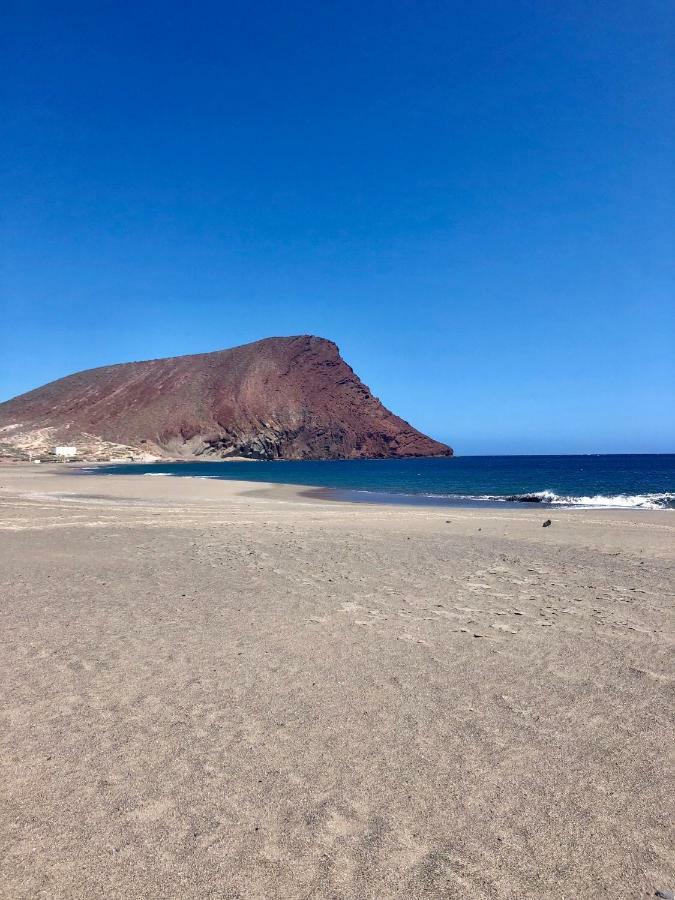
{"points": [[221, 689]]}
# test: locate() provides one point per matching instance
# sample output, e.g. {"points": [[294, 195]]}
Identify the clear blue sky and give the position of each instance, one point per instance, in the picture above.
{"points": [[474, 200]]}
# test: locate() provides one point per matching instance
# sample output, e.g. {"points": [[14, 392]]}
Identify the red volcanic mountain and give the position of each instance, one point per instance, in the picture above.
{"points": [[279, 398]]}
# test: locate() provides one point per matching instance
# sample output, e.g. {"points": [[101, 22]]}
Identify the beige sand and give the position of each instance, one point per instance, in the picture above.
{"points": [[216, 690]]}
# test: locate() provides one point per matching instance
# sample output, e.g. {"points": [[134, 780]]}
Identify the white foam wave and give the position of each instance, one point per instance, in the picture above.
{"points": [[663, 500], [620, 501]]}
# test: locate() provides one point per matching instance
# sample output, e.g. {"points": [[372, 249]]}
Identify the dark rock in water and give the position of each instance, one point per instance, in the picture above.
{"points": [[526, 498], [665, 894], [546, 523]]}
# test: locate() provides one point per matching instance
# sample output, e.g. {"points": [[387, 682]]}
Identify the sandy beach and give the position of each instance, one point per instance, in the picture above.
{"points": [[217, 689]]}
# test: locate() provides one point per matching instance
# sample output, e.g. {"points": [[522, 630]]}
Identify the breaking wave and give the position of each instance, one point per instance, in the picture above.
{"points": [[665, 500]]}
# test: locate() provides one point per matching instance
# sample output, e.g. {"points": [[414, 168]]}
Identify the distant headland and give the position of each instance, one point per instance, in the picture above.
{"points": [[277, 398]]}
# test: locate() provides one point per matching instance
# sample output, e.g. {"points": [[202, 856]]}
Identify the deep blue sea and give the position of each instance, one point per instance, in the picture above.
{"points": [[631, 482]]}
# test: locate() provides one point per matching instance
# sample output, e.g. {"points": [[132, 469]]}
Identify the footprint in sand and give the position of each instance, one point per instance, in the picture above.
{"points": [[350, 607], [413, 640], [656, 676]]}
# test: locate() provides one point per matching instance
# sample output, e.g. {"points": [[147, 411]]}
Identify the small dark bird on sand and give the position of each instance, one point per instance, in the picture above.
{"points": [[546, 523]]}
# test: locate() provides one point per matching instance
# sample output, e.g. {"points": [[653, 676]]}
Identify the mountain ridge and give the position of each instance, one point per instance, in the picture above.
{"points": [[277, 398]]}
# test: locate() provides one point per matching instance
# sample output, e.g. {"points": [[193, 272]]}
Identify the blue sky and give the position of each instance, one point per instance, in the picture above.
{"points": [[474, 200]]}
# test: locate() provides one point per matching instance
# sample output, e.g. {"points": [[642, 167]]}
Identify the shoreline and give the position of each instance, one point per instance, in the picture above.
{"points": [[537, 500], [317, 493], [602, 527]]}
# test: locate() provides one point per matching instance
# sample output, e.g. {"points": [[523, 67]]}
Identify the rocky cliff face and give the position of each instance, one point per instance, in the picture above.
{"points": [[279, 398]]}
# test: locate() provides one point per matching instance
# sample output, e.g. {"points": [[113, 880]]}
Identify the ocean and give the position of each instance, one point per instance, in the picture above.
{"points": [[594, 481]]}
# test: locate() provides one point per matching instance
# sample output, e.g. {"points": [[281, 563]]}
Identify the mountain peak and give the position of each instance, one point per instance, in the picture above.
{"points": [[276, 398]]}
